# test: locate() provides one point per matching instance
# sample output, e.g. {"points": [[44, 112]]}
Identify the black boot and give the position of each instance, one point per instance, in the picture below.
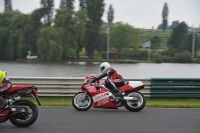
{"points": [[118, 93]]}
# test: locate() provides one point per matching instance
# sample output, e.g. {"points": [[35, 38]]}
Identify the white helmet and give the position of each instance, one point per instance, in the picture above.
{"points": [[104, 66]]}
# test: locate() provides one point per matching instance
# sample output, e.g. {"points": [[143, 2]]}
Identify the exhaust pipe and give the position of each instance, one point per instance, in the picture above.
{"points": [[130, 98], [2, 115]]}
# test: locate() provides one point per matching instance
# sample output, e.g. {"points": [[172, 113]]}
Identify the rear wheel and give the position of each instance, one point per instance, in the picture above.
{"points": [[82, 104], [28, 114], [137, 104]]}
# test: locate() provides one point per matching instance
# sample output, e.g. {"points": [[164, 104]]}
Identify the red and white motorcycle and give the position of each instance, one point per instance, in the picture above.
{"points": [[20, 112], [98, 96]]}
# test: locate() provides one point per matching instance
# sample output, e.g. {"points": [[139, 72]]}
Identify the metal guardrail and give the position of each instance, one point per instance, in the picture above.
{"points": [[65, 86], [175, 87], [69, 86]]}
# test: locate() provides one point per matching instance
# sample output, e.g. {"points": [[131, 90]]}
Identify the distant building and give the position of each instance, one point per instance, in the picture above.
{"points": [[146, 44], [190, 29], [197, 29]]}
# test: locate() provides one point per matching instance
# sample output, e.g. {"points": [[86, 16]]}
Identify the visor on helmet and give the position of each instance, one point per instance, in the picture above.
{"points": [[102, 68]]}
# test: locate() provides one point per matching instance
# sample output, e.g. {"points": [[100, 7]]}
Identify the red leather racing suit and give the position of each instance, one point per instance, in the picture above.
{"points": [[113, 77]]}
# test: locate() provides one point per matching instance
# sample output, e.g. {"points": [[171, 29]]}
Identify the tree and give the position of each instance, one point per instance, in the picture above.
{"points": [[174, 24], [178, 34], [183, 57], [165, 16], [82, 5], [63, 4], [14, 34], [155, 42], [110, 14], [8, 5], [160, 27], [64, 24], [80, 29], [186, 43], [4, 34], [71, 26], [49, 44], [69, 4], [19, 38], [36, 17], [47, 11], [95, 10], [21, 46], [124, 36], [33, 29]]}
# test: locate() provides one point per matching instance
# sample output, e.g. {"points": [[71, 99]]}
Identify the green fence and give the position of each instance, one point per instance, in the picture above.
{"points": [[175, 87]]}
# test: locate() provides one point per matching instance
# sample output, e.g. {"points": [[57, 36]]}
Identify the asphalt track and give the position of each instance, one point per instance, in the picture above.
{"points": [[149, 120]]}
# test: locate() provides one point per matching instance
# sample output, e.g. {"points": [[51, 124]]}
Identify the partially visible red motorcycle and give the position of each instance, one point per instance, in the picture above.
{"points": [[98, 96], [21, 113]]}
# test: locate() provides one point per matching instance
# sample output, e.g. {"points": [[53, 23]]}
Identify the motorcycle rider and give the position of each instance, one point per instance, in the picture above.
{"points": [[5, 84], [114, 79]]}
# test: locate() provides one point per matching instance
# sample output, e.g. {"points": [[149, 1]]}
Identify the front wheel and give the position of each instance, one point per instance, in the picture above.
{"points": [[28, 114], [81, 104], [138, 102]]}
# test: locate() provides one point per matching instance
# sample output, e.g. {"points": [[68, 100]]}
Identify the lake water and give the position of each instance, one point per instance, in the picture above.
{"points": [[82, 69]]}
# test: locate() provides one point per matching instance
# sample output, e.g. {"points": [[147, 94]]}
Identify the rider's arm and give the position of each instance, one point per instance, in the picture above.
{"points": [[120, 77], [102, 76], [111, 71]]}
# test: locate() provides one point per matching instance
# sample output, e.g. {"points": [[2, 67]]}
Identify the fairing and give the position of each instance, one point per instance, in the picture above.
{"points": [[132, 86], [101, 98], [18, 87], [3, 118]]}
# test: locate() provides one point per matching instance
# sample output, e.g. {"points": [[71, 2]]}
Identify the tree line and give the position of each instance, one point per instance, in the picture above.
{"points": [[182, 46], [62, 33]]}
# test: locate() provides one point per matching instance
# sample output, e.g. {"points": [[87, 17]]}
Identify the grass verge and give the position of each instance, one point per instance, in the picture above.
{"points": [[173, 102], [150, 102]]}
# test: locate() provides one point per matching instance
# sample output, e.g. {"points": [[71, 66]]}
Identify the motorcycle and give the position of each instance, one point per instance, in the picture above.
{"points": [[20, 112], [98, 96]]}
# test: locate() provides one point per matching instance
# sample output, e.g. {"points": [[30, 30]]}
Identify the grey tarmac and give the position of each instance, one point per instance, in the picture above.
{"points": [[149, 120]]}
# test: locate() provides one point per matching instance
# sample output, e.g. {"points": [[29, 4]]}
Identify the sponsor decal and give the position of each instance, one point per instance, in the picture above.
{"points": [[101, 96], [91, 89], [103, 101]]}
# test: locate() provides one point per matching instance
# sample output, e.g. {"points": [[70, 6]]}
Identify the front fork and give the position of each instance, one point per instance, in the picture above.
{"points": [[83, 98]]}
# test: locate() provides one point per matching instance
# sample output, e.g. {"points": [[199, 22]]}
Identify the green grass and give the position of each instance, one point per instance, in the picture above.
{"points": [[150, 102], [173, 102]]}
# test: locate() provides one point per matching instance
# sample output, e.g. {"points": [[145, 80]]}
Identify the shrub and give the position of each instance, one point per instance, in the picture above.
{"points": [[183, 57], [143, 55], [168, 59]]}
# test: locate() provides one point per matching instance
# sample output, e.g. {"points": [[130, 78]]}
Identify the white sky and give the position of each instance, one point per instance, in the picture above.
{"points": [[139, 13]]}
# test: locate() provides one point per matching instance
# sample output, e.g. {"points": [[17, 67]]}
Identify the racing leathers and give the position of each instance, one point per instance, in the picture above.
{"points": [[114, 80], [5, 85]]}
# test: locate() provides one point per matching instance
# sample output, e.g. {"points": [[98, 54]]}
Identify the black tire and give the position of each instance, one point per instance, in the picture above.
{"points": [[136, 105], [76, 102], [21, 119]]}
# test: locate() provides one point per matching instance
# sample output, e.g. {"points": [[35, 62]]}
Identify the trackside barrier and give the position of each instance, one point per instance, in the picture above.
{"points": [[155, 87], [175, 87], [64, 87]]}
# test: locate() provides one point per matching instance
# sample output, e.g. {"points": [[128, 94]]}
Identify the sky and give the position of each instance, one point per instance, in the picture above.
{"points": [[138, 13]]}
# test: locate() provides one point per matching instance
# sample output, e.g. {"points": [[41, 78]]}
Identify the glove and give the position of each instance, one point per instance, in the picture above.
{"points": [[94, 80]]}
